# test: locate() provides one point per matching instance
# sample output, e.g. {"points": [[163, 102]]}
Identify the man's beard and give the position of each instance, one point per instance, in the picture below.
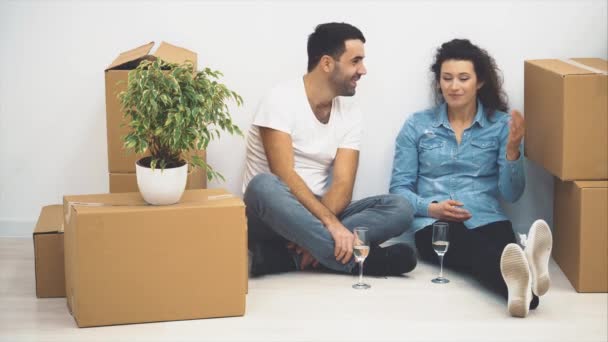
{"points": [[342, 86]]}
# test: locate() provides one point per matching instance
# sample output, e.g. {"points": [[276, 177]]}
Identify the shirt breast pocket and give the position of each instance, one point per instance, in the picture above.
{"points": [[430, 154], [485, 154]]}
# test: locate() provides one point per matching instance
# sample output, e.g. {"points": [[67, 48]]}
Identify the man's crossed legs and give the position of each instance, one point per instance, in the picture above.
{"points": [[276, 218]]}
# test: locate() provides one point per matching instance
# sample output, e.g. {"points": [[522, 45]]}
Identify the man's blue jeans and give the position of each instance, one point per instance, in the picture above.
{"points": [[273, 213]]}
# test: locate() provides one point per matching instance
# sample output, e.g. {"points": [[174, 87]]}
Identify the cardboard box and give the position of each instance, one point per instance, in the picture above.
{"points": [[127, 182], [48, 253], [566, 111], [129, 262], [119, 160], [581, 233]]}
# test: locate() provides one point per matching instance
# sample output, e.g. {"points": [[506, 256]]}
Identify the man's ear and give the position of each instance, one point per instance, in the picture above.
{"points": [[327, 63]]}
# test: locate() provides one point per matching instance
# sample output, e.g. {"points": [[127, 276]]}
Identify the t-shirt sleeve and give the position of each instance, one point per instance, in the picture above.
{"points": [[352, 137], [272, 114]]}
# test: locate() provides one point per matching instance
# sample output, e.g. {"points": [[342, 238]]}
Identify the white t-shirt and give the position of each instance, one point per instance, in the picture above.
{"points": [[315, 144]]}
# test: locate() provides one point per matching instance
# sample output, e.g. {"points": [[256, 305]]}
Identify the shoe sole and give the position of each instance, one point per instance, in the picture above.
{"points": [[516, 274], [538, 252]]}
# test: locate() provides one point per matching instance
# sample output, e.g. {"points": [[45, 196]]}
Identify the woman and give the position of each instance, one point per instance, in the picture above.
{"points": [[453, 162]]}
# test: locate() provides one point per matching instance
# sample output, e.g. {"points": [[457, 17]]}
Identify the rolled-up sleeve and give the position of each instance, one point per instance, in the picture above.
{"points": [[511, 178]]}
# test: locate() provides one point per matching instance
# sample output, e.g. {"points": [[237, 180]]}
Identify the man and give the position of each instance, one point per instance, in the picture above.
{"points": [[303, 134]]}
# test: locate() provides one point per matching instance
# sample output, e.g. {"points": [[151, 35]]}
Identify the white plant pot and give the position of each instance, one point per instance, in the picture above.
{"points": [[161, 187]]}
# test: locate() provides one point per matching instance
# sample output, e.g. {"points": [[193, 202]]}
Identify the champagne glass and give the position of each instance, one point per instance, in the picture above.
{"points": [[440, 245], [360, 251]]}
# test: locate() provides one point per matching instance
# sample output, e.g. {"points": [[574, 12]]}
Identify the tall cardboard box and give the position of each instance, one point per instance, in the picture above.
{"points": [[127, 182], [580, 232], [129, 262], [566, 109], [119, 161], [48, 252]]}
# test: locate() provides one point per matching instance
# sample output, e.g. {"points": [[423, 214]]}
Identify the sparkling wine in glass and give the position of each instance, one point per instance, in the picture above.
{"points": [[440, 245], [360, 251]]}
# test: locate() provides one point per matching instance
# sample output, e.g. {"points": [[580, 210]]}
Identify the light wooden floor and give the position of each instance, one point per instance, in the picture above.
{"points": [[319, 307]]}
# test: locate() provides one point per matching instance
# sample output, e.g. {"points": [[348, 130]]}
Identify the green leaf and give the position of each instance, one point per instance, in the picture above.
{"points": [[171, 109]]}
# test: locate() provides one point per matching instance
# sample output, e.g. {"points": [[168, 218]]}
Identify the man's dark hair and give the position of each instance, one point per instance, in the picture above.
{"points": [[328, 39], [491, 94]]}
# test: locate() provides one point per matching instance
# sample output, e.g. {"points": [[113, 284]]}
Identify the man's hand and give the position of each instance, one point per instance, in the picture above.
{"points": [[517, 129], [449, 211], [343, 240]]}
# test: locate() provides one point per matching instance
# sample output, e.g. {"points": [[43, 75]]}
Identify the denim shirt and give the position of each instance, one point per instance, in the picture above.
{"points": [[430, 165]]}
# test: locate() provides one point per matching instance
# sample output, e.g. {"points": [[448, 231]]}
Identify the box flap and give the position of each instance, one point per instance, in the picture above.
{"points": [[175, 54], [131, 55], [50, 220], [564, 68], [132, 201], [596, 63], [591, 184]]}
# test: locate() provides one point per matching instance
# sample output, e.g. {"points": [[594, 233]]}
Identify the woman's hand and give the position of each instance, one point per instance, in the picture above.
{"points": [[517, 129], [449, 210]]}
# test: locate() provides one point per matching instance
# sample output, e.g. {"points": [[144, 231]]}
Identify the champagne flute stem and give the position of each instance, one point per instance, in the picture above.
{"points": [[441, 267], [361, 272]]}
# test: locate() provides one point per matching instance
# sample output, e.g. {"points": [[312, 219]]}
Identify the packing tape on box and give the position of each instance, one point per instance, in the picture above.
{"points": [[96, 204], [219, 197], [72, 204], [583, 66]]}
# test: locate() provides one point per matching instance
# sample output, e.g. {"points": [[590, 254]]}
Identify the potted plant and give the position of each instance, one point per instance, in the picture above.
{"points": [[173, 110]]}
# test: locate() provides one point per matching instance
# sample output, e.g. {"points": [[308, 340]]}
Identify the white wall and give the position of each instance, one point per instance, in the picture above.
{"points": [[53, 53]]}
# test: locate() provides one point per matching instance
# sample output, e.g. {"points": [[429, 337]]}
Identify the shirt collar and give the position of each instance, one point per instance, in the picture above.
{"points": [[480, 117], [442, 116]]}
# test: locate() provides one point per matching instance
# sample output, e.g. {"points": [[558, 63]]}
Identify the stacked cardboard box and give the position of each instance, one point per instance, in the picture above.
{"points": [[121, 164], [580, 231], [48, 252], [566, 109], [129, 262]]}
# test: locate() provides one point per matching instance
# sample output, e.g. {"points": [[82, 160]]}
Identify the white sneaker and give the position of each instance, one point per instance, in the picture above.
{"points": [[538, 252], [516, 273]]}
